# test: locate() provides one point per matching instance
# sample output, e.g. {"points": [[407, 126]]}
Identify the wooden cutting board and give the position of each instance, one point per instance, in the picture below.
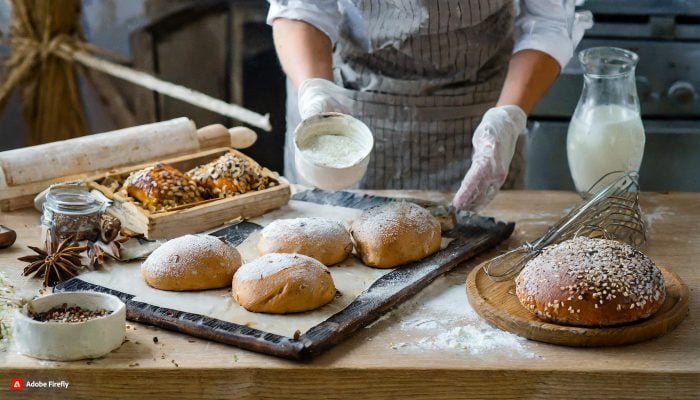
{"points": [[497, 303]]}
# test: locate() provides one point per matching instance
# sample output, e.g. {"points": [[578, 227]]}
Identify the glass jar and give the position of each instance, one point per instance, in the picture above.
{"points": [[606, 135], [71, 210]]}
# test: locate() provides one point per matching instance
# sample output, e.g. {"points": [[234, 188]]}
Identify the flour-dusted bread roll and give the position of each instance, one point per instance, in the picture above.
{"points": [[325, 240], [591, 282], [191, 262], [395, 233], [283, 283]]}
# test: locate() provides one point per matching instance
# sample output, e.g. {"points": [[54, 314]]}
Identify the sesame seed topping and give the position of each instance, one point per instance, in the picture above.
{"points": [[600, 268]]}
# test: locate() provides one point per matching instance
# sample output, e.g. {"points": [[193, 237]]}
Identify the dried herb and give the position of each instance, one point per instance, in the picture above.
{"points": [[99, 251]]}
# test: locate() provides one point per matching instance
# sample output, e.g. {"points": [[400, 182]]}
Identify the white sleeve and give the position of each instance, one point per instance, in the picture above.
{"points": [[550, 26], [322, 14]]}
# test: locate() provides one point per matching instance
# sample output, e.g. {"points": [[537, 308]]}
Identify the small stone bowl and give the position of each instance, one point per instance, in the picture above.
{"points": [[64, 341], [324, 176]]}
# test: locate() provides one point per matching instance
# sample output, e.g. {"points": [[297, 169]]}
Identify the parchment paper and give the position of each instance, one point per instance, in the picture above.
{"points": [[351, 278]]}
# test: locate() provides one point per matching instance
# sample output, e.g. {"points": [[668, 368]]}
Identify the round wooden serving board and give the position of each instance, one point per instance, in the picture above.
{"points": [[497, 303]]}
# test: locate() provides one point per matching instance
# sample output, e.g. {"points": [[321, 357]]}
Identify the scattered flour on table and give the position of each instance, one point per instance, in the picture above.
{"points": [[659, 213], [441, 318]]}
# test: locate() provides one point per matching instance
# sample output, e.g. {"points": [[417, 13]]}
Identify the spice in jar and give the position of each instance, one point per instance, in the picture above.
{"points": [[67, 314], [72, 211]]}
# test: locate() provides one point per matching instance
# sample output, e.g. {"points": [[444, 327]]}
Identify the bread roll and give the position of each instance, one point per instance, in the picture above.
{"points": [[191, 262], [230, 175], [591, 282], [323, 239], [283, 283], [394, 234], [161, 187]]}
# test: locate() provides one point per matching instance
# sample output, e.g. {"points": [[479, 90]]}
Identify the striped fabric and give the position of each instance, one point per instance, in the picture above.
{"points": [[423, 76]]}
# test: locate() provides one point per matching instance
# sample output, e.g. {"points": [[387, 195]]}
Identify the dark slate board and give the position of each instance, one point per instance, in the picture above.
{"points": [[473, 235]]}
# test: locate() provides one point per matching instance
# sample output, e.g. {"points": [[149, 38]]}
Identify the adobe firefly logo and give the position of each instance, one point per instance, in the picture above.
{"points": [[16, 384]]}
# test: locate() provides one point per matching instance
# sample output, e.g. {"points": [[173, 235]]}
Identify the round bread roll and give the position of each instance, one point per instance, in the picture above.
{"points": [[191, 262], [283, 283], [323, 239], [591, 282], [395, 233]]}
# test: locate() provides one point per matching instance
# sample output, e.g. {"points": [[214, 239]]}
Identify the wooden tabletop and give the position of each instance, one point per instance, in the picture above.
{"points": [[388, 359]]}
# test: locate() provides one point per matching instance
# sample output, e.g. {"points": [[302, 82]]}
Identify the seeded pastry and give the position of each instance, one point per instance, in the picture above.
{"points": [[230, 175], [162, 187], [591, 282]]}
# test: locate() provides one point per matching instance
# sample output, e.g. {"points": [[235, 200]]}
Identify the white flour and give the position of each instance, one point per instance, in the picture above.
{"points": [[441, 318], [337, 151], [658, 213], [177, 257], [272, 263]]}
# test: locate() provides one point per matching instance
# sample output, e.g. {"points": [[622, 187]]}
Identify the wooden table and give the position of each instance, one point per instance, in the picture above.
{"points": [[372, 365]]}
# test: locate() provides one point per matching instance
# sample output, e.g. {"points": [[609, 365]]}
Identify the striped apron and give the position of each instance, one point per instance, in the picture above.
{"points": [[422, 73]]}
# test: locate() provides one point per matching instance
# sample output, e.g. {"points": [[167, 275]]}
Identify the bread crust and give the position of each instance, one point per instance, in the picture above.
{"points": [[191, 262], [325, 240], [297, 283], [395, 233], [163, 186], [591, 282], [230, 175]]}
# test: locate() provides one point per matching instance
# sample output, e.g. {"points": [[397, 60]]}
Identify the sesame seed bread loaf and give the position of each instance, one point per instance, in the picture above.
{"points": [[191, 262], [325, 240], [283, 283], [395, 233], [591, 282]]}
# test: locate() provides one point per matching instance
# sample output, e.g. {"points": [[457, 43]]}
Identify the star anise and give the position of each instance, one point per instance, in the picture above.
{"points": [[55, 263], [99, 251]]}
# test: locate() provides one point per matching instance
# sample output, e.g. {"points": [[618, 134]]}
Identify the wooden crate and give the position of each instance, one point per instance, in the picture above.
{"points": [[195, 217]]}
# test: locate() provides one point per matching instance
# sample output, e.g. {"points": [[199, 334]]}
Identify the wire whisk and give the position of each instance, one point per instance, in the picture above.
{"points": [[613, 212]]}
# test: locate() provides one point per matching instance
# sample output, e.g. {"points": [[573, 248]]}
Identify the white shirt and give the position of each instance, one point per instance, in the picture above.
{"points": [[550, 26]]}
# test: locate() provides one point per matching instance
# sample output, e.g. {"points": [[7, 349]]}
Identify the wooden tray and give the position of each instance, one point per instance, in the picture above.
{"points": [[497, 303], [472, 236], [195, 217]]}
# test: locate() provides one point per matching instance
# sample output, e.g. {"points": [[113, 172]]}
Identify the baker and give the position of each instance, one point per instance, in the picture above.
{"points": [[444, 85]]}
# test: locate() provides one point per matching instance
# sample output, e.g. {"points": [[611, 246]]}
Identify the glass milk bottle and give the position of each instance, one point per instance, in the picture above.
{"points": [[606, 134]]}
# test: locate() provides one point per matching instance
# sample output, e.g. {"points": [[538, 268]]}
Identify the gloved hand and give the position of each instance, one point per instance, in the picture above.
{"points": [[493, 148], [321, 95]]}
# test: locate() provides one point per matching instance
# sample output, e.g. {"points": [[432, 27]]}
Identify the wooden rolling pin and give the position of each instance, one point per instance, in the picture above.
{"points": [[27, 171], [214, 136]]}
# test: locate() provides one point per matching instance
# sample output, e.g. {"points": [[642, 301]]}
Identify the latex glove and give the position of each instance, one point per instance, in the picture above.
{"points": [[321, 95], [493, 143]]}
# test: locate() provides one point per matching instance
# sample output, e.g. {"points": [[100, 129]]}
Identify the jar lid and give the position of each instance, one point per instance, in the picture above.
{"points": [[72, 200]]}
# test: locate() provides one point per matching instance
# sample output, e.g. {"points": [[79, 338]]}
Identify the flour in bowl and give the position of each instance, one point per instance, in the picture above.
{"points": [[336, 151]]}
